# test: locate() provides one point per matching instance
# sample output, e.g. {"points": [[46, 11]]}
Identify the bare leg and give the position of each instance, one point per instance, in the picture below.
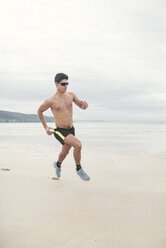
{"points": [[64, 152], [73, 141]]}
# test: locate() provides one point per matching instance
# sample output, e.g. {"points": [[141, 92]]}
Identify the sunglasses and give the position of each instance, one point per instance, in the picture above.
{"points": [[64, 84]]}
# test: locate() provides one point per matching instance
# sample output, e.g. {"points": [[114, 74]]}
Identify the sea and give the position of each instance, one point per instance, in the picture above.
{"points": [[100, 138]]}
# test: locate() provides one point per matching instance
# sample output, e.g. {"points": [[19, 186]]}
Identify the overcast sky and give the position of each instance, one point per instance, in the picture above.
{"points": [[114, 52]]}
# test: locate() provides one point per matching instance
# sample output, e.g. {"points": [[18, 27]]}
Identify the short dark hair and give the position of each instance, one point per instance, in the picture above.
{"points": [[59, 77]]}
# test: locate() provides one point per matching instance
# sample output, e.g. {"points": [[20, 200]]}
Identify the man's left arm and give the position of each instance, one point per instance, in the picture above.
{"points": [[78, 102]]}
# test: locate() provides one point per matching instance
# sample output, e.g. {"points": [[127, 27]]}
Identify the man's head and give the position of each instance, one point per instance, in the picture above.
{"points": [[61, 81], [59, 77]]}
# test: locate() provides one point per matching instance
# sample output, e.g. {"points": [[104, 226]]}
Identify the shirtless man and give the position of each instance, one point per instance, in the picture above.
{"points": [[62, 109]]}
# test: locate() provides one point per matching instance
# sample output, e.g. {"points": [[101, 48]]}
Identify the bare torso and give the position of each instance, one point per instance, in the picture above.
{"points": [[62, 109]]}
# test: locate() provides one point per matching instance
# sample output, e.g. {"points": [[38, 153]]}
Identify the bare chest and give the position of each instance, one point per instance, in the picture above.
{"points": [[62, 105]]}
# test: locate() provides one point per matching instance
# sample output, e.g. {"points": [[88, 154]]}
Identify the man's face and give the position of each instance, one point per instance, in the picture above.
{"points": [[62, 86]]}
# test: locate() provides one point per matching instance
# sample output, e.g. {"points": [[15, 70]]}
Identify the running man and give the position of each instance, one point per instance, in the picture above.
{"points": [[62, 109]]}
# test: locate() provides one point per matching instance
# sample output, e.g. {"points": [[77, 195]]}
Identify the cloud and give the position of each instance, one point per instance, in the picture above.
{"points": [[113, 51]]}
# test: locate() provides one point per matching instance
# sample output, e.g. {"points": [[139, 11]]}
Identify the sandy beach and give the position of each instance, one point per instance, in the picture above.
{"points": [[122, 206]]}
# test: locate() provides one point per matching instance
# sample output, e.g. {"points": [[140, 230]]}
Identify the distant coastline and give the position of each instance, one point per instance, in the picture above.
{"points": [[11, 117], [16, 117]]}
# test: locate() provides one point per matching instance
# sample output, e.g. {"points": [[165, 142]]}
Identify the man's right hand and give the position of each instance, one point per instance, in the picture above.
{"points": [[48, 130]]}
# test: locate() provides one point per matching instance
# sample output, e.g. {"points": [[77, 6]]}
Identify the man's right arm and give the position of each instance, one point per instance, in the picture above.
{"points": [[43, 107]]}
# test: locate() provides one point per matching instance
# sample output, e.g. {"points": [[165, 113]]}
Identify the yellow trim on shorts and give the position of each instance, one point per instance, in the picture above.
{"points": [[60, 135]]}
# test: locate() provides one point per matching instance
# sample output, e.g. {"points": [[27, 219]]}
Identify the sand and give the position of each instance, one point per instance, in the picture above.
{"points": [[122, 206]]}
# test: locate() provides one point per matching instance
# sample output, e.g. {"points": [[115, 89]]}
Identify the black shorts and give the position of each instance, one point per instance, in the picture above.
{"points": [[61, 133]]}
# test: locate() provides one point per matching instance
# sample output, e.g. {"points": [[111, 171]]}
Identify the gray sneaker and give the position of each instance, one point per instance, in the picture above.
{"points": [[83, 175], [57, 170]]}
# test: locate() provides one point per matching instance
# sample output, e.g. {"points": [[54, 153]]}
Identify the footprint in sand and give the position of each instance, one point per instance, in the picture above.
{"points": [[5, 169], [55, 178]]}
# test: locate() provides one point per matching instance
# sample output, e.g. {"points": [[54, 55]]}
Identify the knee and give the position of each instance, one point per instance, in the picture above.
{"points": [[78, 146]]}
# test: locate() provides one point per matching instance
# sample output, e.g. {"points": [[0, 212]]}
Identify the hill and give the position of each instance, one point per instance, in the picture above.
{"points": [[7, 116]]}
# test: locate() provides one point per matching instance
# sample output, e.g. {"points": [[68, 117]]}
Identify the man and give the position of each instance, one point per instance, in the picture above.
{"points": [[61, 107]]}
